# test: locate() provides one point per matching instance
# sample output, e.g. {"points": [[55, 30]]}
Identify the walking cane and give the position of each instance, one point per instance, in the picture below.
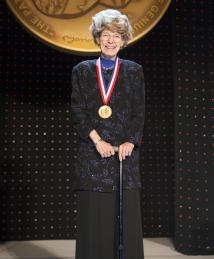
{"points": [[120, 205]]}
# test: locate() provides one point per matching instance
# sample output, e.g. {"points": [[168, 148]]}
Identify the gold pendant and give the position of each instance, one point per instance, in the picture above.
{"points": [[105, 111]]}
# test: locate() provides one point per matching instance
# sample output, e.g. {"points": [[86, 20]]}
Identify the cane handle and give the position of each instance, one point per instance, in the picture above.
{"points": [[116, 149]]}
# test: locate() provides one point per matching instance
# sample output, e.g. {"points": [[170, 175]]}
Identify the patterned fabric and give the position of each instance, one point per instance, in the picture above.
{"points": [[92, 172]]}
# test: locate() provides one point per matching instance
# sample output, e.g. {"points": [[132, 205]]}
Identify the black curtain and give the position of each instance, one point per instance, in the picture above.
{"points": [[194, 87]]}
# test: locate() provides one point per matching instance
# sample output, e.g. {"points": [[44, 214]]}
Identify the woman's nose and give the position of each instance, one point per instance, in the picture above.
{"points": [[111, 39]]}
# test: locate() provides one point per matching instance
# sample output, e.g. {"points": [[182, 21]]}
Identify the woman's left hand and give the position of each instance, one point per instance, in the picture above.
{"points": [[125, 149]]}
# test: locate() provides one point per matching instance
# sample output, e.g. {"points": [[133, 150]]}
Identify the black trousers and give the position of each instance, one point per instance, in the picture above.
{"points": [[97, 225]]}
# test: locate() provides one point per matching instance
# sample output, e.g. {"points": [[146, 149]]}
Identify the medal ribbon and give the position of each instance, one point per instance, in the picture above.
{"points": [[106, 96]]}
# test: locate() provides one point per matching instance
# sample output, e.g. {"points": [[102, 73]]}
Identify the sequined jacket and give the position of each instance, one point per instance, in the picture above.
{"points": [[92, 172]]}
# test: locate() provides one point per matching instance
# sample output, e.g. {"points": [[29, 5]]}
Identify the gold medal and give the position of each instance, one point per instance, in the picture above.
{"points": [[105, 111], [64, 23]]}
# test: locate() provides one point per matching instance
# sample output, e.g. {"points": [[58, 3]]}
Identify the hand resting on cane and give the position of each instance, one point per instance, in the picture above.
{"points": [[105, 149], [125, 149]]}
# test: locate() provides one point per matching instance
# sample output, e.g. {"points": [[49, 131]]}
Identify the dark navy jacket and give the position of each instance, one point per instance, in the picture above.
{"points": [[92, 172]]}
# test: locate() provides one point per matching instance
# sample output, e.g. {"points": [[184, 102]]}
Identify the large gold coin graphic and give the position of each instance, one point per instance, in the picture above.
{"points": [[65, 23]]}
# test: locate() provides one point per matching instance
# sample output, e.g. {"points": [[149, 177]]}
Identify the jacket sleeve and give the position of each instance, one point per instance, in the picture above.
{"points": [[79, 115], [136, 125]]}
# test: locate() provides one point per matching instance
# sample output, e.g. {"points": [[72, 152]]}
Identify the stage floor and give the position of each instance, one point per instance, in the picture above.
{"points": [[155, 248]]}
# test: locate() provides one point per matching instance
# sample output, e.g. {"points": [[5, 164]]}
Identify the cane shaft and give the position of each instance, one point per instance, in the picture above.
{"points": [[120, 248], [120, 209]]}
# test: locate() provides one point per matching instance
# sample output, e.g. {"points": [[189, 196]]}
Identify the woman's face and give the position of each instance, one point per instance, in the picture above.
{"points": [[110, 43]]}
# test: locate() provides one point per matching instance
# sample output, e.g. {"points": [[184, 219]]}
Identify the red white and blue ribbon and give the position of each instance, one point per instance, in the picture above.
{"points": [[106, 95]]}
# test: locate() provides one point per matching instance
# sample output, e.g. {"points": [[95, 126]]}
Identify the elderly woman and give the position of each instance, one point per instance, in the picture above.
{"points": [[108, 109]]}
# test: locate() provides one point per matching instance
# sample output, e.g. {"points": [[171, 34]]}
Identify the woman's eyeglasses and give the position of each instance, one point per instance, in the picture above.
{"points": [[106, 36]]}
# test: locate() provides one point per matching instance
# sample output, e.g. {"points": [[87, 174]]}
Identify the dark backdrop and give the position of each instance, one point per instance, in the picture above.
{"points": [[194, 87], [38, 143]]}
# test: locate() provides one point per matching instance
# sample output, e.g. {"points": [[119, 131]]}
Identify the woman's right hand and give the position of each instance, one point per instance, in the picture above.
{"points": [[105, 149]]}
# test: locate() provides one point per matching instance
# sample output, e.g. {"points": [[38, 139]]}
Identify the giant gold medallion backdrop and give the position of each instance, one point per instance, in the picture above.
{"points": [[65, 23]]}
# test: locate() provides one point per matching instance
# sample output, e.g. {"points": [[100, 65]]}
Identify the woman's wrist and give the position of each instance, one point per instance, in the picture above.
{"points": [[97, 141], [94, 136]]}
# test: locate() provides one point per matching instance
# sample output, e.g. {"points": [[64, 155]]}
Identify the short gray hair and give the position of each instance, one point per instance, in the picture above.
{"points": [[113, 20]]}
